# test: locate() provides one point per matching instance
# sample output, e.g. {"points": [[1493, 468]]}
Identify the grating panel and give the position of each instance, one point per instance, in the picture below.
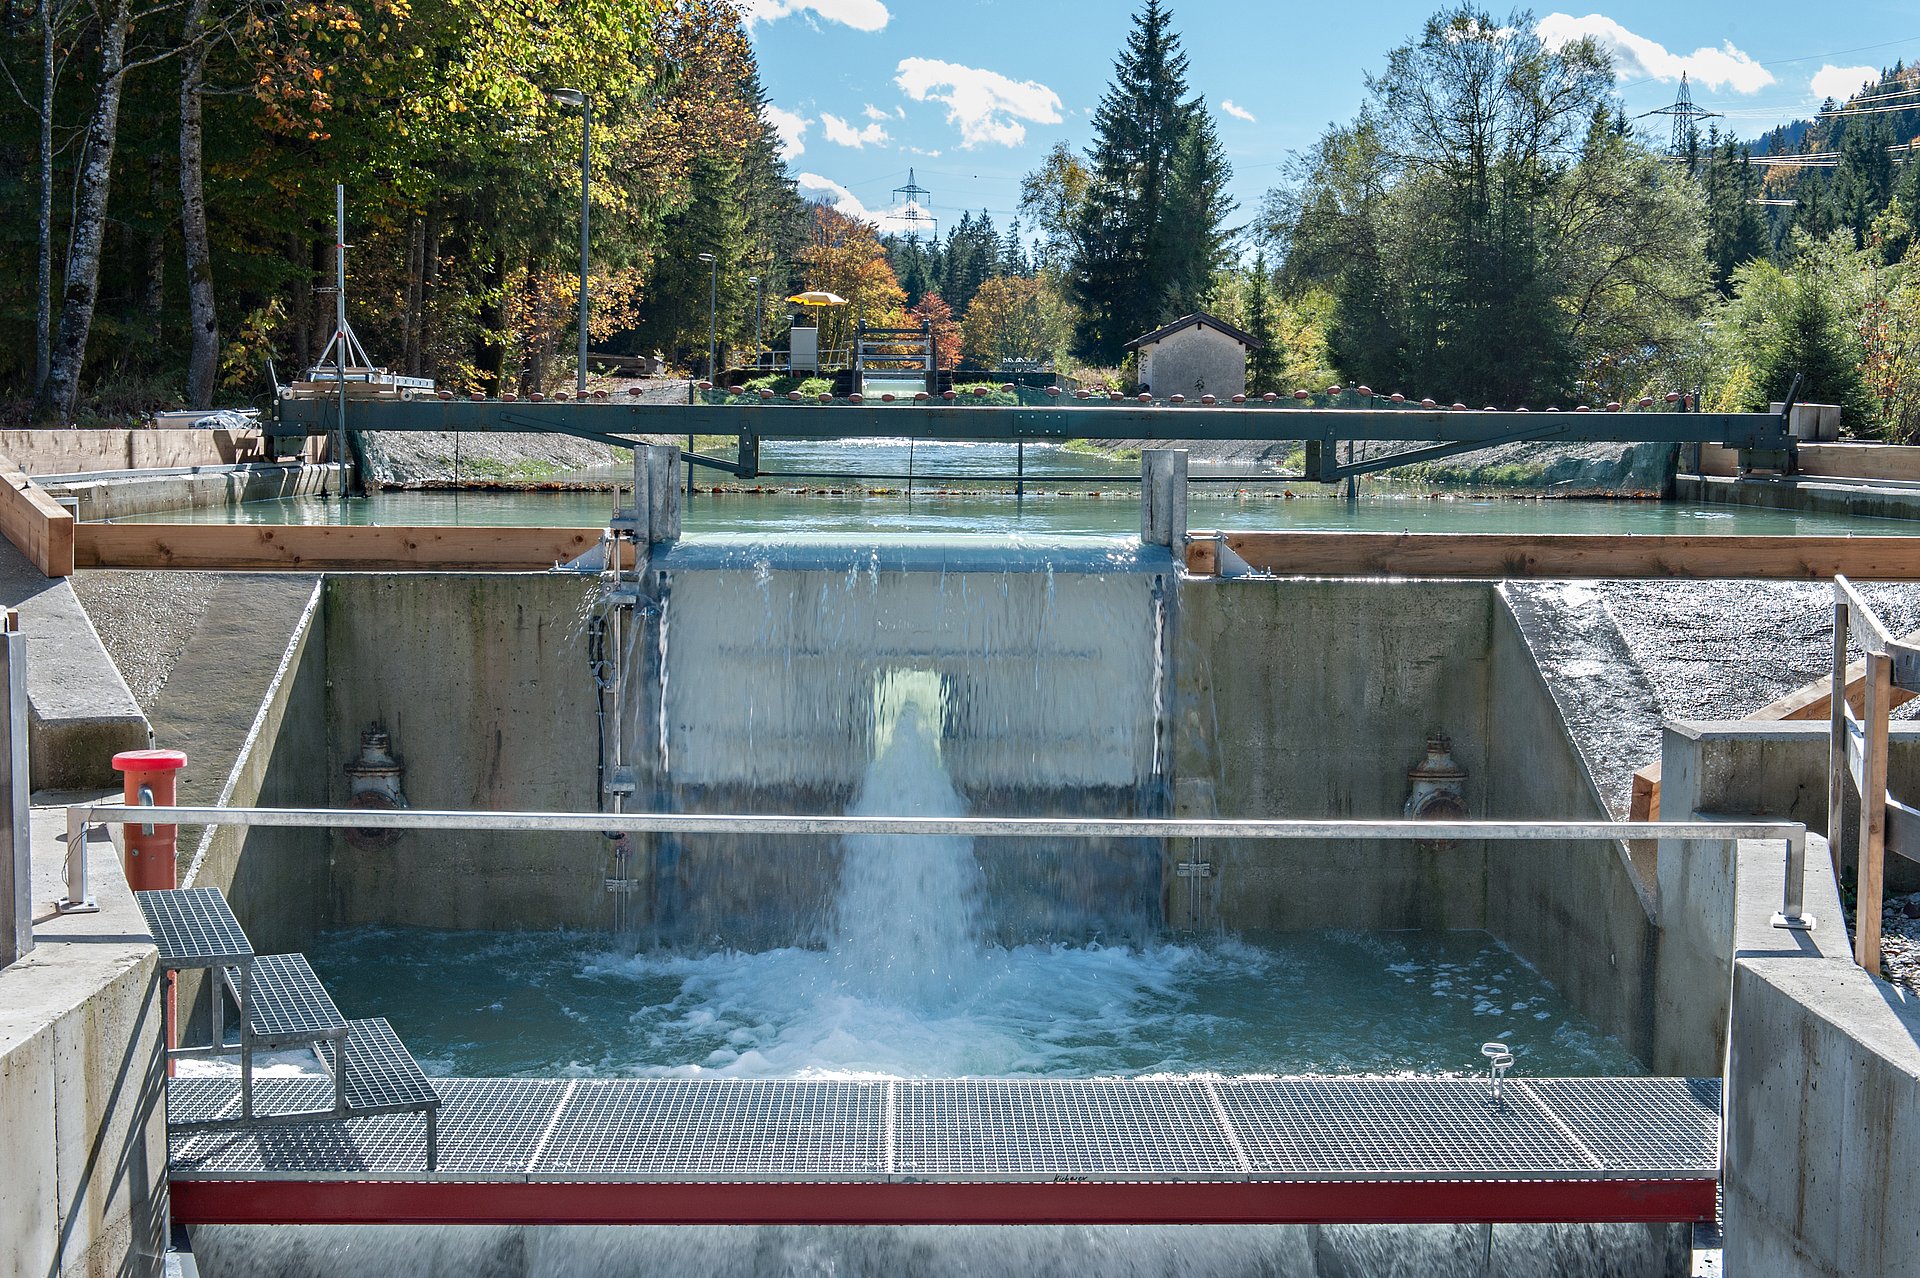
{"points": [[286, 1001], [200, 1100], [192, 927], [723, 1130], [1394, 1126], [381, 1073], [1640, 1124], [718, 1129], [1012, 1128], [486, 1127]]}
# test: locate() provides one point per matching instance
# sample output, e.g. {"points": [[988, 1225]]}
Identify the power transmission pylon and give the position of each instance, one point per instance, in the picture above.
{"points": [[1686, 119], [910, 210]]}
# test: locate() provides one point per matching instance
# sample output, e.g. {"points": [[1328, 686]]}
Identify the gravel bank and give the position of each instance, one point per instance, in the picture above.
{"points": [[145, 620], [470, 459]]}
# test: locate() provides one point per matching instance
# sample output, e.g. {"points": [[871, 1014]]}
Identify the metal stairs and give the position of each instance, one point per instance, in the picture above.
{"points": [[279, 1003]]}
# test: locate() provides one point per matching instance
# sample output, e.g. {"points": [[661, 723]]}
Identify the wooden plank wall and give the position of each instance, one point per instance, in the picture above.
{"points": [[40, 527], [1561, 555], [328, 548]]}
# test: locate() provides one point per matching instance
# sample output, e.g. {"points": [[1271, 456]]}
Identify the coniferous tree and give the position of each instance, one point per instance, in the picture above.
{"points": [[1815, 345], [1147, 238], [1265, 365], [1736, 232]]}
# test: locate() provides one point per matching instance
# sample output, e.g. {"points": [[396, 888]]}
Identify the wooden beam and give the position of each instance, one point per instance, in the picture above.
{"points": [[1809, 702], [1568, 555], [328, 548], [33, 521]]}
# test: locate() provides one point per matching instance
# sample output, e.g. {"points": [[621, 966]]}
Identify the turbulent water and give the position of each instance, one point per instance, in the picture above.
{"points": [[906, 922]]}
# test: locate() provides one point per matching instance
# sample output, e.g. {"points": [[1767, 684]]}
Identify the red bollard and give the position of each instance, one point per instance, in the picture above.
{"points": [[151, 849]]}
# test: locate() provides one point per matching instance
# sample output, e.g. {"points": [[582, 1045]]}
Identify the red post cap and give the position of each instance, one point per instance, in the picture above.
{"points": [[149, 761]]}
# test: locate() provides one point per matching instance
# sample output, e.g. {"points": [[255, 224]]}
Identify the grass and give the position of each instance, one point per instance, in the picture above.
{"points": [[781, 384]]}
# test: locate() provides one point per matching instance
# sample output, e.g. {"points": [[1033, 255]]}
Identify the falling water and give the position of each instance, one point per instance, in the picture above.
{"points": [[906, 920]]}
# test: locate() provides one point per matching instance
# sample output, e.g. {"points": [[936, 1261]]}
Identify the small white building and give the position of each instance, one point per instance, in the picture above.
{"points": [[1193, 356]]}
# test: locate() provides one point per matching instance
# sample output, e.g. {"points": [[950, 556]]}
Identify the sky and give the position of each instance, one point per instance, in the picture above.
{"points": [[970, 94]]}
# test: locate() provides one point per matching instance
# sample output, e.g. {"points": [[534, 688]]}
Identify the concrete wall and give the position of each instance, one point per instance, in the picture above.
{"points": [[70, 452], [1822, 1142], [482, 681], [82, 1125], [1575, 911], [1199, 360], [1312, 699], [150, 494], [1823, 1126], [80, 711], [1806, 494], [276, 880]]}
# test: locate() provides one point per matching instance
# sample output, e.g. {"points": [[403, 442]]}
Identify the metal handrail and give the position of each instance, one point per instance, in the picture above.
{"points": [[1792, 833]]}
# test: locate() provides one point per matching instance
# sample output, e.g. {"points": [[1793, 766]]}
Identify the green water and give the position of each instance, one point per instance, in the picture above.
{"points": [[543, 1004], [1048, 511]]}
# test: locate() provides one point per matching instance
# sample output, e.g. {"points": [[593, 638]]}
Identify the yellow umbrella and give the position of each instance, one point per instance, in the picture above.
{"points": [[817, 298]]}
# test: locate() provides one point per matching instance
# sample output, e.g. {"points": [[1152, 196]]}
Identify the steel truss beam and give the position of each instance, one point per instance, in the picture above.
{"points": [[751, 421]]}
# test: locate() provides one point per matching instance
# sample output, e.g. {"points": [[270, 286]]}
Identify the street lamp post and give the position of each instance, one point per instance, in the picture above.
{"points": [[713, 314], [574, 97]]}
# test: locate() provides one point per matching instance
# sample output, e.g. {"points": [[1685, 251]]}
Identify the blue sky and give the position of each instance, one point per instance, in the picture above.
{"points": [[971, 93]]}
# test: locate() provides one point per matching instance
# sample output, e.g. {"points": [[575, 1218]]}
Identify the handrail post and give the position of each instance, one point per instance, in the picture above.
{"points": [[1870, 851], [79, 897], [1837, 716], [1793, 915]]}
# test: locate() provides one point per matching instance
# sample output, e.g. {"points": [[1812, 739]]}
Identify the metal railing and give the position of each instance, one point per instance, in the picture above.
{"points": [[1857, 759], [1793, 834]]}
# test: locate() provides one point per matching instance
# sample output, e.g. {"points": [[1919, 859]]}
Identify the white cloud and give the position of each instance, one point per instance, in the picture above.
{"points": [[984, 105], [861, 15], [1841, 83], [813, 186], [1722, 68], [841, 133], [828, 191], [792, 128], [1236, 111], [875, 113]]}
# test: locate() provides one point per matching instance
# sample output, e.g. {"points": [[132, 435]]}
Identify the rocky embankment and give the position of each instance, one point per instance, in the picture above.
{"points": [[1532, 469], [471, 459]]}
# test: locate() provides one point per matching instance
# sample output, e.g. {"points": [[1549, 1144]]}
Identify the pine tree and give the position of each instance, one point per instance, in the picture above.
{"points": [[1815, 345], [1150, 221], [1736, 232], [1265, 365]]}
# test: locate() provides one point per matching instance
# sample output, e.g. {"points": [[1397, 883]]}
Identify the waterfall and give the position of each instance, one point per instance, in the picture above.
{"points": [[906, 921], [820, 678]]}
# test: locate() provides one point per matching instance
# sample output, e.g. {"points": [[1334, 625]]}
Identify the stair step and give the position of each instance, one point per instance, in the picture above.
{"points": [[193, 927], [382, 1075], [286, 1002], [382, 1078]]}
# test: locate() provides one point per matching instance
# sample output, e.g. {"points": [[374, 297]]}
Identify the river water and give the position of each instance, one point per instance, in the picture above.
{"points": [[967, 488]]}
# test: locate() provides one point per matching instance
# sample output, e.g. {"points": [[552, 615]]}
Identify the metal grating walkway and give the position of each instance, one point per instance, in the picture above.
{"points": [[193, 927], [1089, 1150]]}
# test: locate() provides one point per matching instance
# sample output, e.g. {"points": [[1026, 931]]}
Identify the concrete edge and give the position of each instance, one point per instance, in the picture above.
{"points": [[265, 726]]}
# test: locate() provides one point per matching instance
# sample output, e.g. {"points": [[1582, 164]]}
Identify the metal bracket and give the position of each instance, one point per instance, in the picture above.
{"points": [[620, 780], [1321, 466], [1194, 870], [623, 887]]}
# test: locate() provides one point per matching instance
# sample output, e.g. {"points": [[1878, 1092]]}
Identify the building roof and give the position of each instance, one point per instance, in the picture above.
{"points": [[1199, 319]]}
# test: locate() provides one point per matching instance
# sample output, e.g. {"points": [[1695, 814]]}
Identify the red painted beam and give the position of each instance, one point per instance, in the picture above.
{"points": [[445, 1202]]}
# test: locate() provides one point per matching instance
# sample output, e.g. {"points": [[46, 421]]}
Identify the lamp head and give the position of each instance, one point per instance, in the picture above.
{"points": [[571, 97]]}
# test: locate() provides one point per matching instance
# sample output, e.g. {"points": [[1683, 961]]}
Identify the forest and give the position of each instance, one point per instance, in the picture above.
{"points": [[1491, 228]]}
